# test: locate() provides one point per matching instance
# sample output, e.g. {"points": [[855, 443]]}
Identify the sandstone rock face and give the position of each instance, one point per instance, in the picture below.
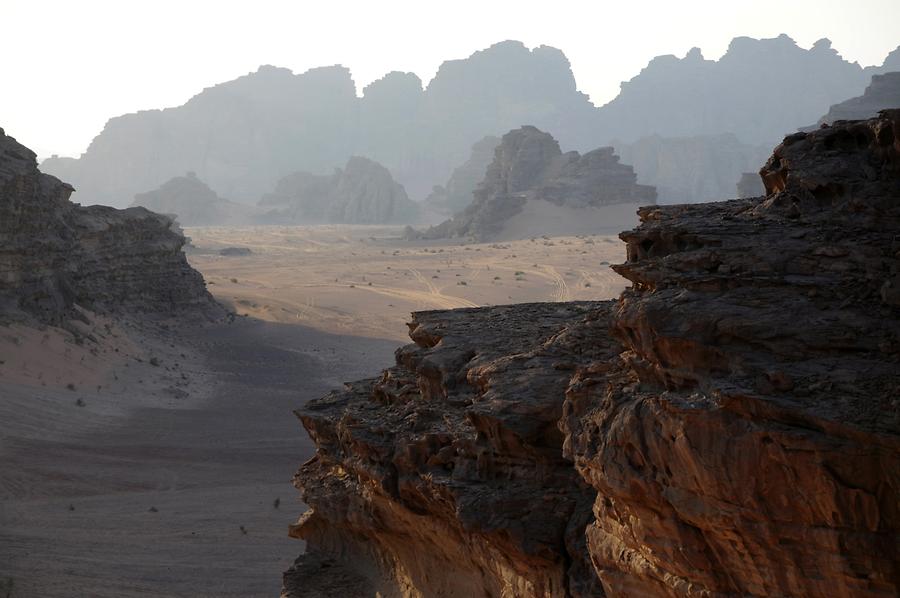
{"points": [[733, 419], [56, 255], [692, 169], [528, 165], [193, 203], [881, 94], [456, 195], [363, 192]]}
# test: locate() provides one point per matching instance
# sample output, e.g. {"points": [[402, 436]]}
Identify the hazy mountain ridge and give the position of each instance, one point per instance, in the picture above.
{"points": [[243, 135]]}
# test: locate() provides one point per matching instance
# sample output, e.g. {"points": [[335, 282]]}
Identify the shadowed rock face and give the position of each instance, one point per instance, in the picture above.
{"points": [[363, 192], [529, 165], [56, 255], [193, 203], [732, 419]]}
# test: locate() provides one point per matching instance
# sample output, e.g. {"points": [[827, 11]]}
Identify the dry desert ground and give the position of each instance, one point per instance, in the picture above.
{"points": [[365, 280]]}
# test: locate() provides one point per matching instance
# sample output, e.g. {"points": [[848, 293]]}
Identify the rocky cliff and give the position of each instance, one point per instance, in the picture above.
{"points": [[529, 168], [729, 427], [363, 192], [56, 256], [193, 203], [882, 93]]}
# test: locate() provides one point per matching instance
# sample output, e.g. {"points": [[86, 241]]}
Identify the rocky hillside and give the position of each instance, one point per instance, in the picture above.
{"points": [[242, 136], [729, 427], [57, 256], [882, 93], [363, 192], [193, 203], [529, 168]]}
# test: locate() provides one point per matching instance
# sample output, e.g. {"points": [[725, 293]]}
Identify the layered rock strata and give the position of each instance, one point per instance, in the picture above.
{"points": [[729, 427], [56, 255], [529, 166]]}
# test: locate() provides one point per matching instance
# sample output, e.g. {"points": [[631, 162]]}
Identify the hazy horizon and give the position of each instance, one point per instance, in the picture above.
{"points": [[99, 59]]}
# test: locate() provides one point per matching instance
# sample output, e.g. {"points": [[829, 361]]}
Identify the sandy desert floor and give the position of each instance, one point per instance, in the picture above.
{"points": [[149, 463], [362, 280]]}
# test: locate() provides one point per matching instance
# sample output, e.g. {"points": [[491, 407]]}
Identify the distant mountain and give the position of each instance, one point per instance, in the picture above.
{"points": [[532, 188], [244, 135], [692, 169], [759, 90], [363, 192], [882, 93], [193, 203], [457, 193]]}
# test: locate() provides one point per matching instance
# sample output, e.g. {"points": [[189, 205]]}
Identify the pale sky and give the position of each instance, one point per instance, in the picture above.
{"points": [[69, 65]]}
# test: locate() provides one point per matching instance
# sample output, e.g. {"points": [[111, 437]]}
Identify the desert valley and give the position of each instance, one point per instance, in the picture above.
{"points": [[478, 335]]}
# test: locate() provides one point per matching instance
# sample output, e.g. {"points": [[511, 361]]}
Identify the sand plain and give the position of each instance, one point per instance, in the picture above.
{"points": [[365, 280]]}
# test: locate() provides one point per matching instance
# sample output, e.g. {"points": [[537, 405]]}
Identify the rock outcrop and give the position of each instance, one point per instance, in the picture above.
{"points": [[882, 93], [732, 420], [529, 167], [363, 192], [193, 203], [692, 169], [57, 256], [456, 195]]}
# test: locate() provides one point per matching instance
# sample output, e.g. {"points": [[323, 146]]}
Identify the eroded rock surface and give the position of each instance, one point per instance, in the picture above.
{"points": [[528, 166], [729, 427], [56, 255]]}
